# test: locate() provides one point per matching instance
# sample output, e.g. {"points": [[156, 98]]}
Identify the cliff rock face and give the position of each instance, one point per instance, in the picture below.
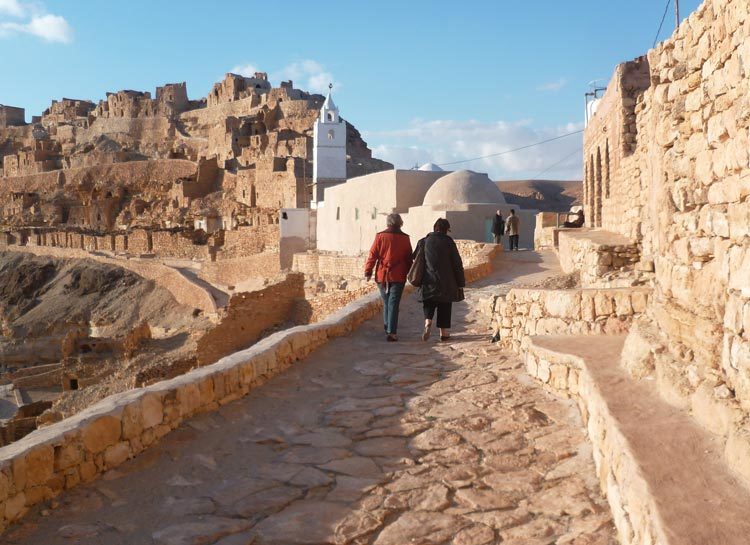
{"points": [[231, 159]]}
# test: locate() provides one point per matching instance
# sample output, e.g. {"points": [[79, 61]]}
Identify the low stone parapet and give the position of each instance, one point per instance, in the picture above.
{"points": [[525, 312], [663, 474], [78, 449], [596, 254]]}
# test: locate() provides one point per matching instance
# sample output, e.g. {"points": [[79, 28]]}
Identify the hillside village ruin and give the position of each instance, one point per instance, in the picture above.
{"points": [[239, 223]]}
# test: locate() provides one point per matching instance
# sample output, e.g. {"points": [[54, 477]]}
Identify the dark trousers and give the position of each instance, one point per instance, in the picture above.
{"points": [[513, 242], [443, 312], [498, 238], [391, 300]]}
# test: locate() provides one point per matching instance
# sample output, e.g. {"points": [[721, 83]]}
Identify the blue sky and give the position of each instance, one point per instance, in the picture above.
{"points": [[423, 80]]}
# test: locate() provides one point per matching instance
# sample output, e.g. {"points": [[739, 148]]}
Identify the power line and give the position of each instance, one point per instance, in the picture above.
{"points": [[663, 18], [536, 176], [511, 150]]}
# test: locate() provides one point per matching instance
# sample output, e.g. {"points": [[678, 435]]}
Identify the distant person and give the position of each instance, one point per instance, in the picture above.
{"points": [[512, 229], [443, 280], [576, 223], [390, 257], [498, 227]]}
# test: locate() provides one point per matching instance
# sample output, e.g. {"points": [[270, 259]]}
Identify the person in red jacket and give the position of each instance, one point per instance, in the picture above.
{"points": [[390, 257]]}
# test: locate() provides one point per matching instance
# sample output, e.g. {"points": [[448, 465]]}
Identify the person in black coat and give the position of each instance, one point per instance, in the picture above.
{"points": [[498, 227], [443, 280]]}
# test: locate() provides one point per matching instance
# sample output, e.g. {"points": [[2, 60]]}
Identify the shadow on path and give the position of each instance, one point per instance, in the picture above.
{"points": [[363, 442]]}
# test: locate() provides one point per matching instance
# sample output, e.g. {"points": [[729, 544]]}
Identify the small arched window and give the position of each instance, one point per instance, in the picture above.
{"points": [[338, 213], [331, 134], [330, 116]]}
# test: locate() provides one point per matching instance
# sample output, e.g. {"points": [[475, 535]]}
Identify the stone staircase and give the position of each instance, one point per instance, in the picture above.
{"points": [[664, 474]]}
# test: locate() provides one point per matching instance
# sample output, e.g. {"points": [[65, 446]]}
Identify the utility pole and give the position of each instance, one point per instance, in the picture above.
{"points": [[677, 13]]}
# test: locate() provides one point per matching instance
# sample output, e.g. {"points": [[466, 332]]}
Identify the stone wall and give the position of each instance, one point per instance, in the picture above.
{"points": [[248, 315], [476, 257], [182, 289], [525, 312], [681, 189], [81, 448], [233, 271], [597, 255], [249, 240]]}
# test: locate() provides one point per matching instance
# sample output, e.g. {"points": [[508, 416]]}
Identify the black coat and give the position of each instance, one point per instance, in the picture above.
{"points": [[444, 270], [498, 225]]}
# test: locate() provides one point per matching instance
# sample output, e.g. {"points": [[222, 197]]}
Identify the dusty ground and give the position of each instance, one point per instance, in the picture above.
{"points": [[41, 299], [363, 442]]}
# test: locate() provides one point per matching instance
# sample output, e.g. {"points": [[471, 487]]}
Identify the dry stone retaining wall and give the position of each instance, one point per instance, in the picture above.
{"points": [[678, 183], [78, 449], [620, 476], [580, 250], [525, 312]]}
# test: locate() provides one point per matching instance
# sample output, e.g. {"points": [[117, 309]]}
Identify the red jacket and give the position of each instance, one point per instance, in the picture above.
{"points": [[391, 251]]}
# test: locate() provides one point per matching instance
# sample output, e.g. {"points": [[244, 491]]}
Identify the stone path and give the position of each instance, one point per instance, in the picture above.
{"points": [[364, 442]]}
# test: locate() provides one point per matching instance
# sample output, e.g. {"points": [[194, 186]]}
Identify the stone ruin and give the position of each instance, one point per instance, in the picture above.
{"points": [[169, 176], [664, 266]]}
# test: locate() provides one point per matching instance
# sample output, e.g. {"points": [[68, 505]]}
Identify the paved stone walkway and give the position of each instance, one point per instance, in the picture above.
{"points": [[364, 442]]}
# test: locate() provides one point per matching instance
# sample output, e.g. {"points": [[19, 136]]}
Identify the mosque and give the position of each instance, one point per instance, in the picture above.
{"points": [[347, 213], [354, 211]]}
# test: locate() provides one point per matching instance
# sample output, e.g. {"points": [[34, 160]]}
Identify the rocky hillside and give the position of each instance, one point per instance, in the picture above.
{"points": [[543, 195]]}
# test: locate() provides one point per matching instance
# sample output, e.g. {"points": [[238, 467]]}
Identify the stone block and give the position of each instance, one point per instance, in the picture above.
{"points": [[15, 507], [40, 465], [152, 411], [739, 220], [101, 433], [603, 304], [737, 452], [719, 416], [563, 304], [132, 421], [68, 455], [672, 382], [188, 399], [116, 454]]}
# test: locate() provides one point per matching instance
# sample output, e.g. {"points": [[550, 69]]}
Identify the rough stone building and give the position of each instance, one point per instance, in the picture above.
{"points": [[11, 116], [666, 166], [169, 163], [354, 211], [654, 344]]}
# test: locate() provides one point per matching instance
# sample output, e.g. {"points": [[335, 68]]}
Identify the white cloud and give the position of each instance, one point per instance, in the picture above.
{"points": [[553, 85], [308, 75], [12, 8], [51, 28], [446, 141], [247, 70]]}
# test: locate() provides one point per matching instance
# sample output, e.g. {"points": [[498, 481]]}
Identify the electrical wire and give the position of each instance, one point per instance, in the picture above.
{"points": [[511, 150], [536, 176], [663, 18]]}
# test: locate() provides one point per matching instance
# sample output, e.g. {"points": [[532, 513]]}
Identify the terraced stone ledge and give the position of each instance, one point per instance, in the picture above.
{"points": [[663, 474]]}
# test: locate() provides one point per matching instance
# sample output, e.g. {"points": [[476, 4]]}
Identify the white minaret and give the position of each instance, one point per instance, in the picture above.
{"points": [[329, 150]]}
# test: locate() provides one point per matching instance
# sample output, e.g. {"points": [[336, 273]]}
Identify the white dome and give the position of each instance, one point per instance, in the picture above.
{"points": [[464, 187], [431, 167]]}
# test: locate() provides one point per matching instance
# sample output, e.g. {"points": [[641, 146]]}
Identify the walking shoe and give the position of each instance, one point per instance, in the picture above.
{"points": [[391, 338], [426, 333], [445, 338]]}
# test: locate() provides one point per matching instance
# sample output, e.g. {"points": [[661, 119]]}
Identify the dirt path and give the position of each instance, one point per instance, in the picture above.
{"points": [[364, 442]]}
